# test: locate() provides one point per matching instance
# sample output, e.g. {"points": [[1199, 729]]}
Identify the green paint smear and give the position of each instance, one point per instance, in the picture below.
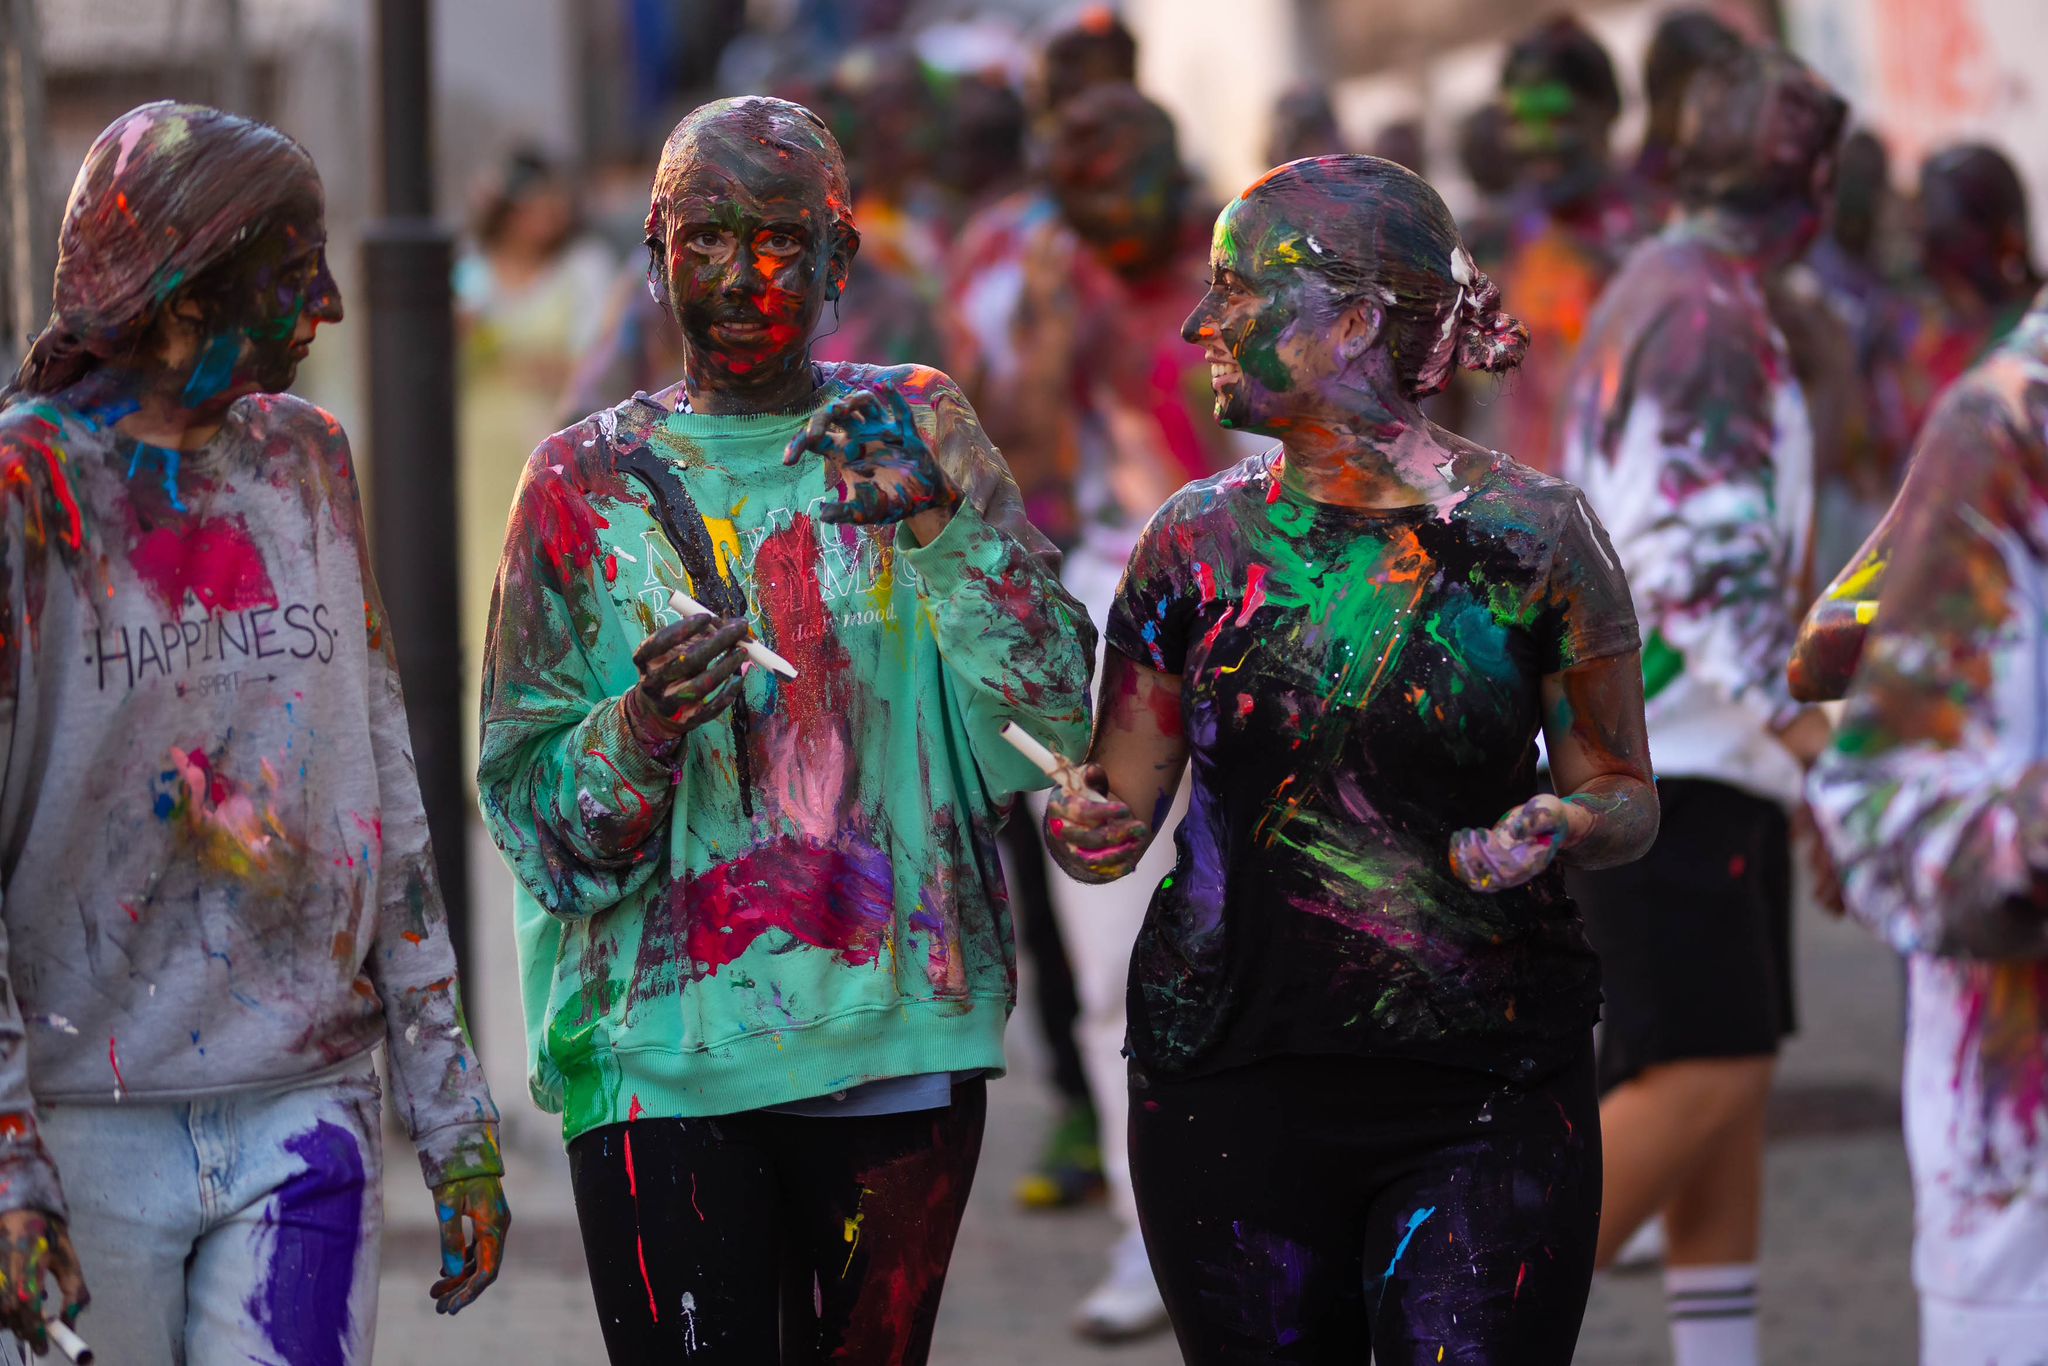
{"points": [[1662, 664]]}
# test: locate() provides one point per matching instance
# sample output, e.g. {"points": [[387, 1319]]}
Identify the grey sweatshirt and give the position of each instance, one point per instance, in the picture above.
{"points": [[214, 867]]}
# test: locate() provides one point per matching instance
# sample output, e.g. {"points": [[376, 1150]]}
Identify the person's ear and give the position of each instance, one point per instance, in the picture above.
{"points": [[839, 265], [1358, 326]]}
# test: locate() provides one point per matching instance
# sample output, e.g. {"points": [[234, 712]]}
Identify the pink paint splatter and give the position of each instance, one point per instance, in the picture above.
{"points": [[1521, 1276], [1254, 593], [215, 562]]}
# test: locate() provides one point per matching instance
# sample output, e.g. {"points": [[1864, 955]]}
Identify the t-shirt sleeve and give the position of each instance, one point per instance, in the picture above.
{"points": [[1587, 612], [1149, 619]]}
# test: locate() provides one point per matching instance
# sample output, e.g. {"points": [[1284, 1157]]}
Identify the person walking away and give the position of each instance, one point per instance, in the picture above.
{"points": [[1685, 425]]}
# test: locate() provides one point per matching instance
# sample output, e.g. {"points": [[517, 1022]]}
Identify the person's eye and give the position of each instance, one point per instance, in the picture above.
{"points": [[782, 244], [708, 240]]}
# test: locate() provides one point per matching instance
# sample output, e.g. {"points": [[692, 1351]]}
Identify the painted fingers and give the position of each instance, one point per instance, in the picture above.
{"points": [[1514, 849], [688, 674], [1091, 833], [874, 454], [36, 1257], [469, 1259]]}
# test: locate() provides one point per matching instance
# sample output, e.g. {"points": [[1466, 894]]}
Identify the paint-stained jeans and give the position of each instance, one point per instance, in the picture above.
{"points": [[763, 1238], [233, 1230], [1323, 1209]]}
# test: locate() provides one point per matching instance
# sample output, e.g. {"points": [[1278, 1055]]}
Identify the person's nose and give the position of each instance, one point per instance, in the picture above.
{"points": [[1201, 324], [324, 302]]}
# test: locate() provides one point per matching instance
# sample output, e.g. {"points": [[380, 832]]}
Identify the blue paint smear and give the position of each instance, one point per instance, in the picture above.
{"points": [[1415, 1221], [169, 459], [216, 367], [317, 1221]]}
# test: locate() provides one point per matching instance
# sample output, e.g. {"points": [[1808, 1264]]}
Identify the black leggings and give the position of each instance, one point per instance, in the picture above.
{"points": [[1315, 1209], [762, 1238]]}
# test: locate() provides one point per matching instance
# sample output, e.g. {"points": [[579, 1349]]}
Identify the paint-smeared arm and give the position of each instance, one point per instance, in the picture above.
{"points": [[1934, 799], [410, 959], [1830, 642], [28, 1178], [1017, 646], [1603, 808], [572, 792], [1134, 765]]}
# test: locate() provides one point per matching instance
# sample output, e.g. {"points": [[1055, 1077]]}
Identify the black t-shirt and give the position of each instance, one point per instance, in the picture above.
{"points": [[1358, 685]]}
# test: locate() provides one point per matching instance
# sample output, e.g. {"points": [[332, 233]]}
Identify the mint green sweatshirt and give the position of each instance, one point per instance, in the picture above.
{"points": [[805, 895]]}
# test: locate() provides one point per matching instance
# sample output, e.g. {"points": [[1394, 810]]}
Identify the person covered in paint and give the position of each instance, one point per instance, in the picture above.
{"points": [[1685, 42], [1563, 231], [1934, 799], [1363, 1115], [1977, 269], [767, 955], [1686, 425], [218, 891]]}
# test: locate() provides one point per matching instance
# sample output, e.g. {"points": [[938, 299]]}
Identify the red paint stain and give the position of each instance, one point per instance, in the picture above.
{"points": [[1736, 866], [563, 521], [693, 1198], [793, 606], [1254, 594], [838, 899], [645, 808], [114, 1061], [215, 562], [1520, 1276], [639, 1243]]}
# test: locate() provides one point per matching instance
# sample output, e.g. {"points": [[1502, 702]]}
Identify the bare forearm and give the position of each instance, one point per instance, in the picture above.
{"points": [[1613, 820]]}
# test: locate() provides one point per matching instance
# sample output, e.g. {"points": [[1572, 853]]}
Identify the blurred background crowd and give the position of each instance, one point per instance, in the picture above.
{"points": [[1034, 185]]}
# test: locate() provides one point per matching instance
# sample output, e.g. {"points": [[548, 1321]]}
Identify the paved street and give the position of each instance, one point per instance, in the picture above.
{"points": [[1836, 1290]]}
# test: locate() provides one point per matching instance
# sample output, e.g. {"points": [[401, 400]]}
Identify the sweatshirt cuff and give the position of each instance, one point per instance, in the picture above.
{"points": [[641, 760], [28, 1178], [458, 1152], [967, 547]]}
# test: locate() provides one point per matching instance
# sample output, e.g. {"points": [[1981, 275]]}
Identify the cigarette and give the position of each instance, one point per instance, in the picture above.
{"points": [[69, 1343], [754, 649], [1050, 764]]}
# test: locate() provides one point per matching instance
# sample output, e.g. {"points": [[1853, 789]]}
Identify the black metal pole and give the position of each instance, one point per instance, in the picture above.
{"points": [[407, 258]]}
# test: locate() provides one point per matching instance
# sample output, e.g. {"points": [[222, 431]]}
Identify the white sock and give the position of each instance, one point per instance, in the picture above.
{"points": [[1713, 1314]]}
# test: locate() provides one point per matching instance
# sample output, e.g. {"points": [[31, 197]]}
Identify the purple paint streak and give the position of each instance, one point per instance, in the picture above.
{"points": [[318, 1218]]}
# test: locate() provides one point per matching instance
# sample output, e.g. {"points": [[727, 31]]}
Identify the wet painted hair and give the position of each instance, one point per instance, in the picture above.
{"points": [[1756, 128], [164, 201], [1973, 218], [727, 132], [1383, 233]]}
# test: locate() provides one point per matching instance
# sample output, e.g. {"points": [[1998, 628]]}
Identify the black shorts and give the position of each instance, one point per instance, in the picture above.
{"points": [[1694, 938]]}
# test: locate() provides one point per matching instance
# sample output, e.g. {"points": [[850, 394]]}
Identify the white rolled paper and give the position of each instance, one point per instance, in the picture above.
{"points": [[755, 650], [69, 1343], [1048, 763]]}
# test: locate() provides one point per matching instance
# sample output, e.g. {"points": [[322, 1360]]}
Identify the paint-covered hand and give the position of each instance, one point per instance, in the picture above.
{"points": [[1515, 849], [689, 672], [469, 1259], [883, 467], [1092, 833], [35, 1256]]}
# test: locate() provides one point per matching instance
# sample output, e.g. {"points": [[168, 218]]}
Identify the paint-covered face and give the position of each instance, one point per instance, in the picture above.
{"points": [[1264, 323], [752, 255], [256, 324], [1557, 138], [1121, 187]]}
